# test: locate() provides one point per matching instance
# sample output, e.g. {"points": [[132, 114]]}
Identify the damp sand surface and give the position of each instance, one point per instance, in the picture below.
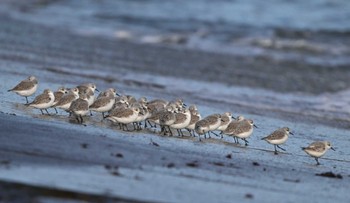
{"points": [[54, 159]]}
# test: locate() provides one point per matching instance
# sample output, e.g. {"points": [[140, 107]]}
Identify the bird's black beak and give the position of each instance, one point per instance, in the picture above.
{"points": [[97, 90], [332, 149], [117, 94], [184, 105], [255, 126], [233, 117], [291, 133]]}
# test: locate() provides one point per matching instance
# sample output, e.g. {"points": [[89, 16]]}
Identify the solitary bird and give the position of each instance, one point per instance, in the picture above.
{"points": [[278, 137], [317, 149], [26, 87]]}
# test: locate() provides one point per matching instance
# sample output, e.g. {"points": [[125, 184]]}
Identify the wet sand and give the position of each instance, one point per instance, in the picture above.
{"points": [[99, 160]]}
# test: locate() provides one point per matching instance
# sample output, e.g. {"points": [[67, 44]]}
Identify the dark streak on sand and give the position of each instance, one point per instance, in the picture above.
{"points": [[19, 193], [330, 175]]}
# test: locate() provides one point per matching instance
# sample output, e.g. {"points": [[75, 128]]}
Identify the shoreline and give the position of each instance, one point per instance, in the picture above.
{"points": [[60, 154]]}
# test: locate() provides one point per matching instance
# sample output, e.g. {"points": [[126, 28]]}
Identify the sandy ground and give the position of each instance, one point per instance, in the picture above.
{"points": [[96, 161]]}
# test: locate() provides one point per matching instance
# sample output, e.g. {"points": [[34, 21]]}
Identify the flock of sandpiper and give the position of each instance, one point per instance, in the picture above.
{"points": [[127, 110]]}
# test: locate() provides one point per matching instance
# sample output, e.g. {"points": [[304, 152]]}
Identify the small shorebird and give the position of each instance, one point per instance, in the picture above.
{"points": [[226, 119], [108, 92], [104, 103], [167, 118], [156, 105], [124, 116], [58, 95], [232, 127], [89, 90], [43, 101], [182, 120], [214, 121], [83, 88], [143, 114], [278, 137], [26, 87], [243, 130], [317, 149], [201, 128], [195, 116], [67, 99], [79, 108]]}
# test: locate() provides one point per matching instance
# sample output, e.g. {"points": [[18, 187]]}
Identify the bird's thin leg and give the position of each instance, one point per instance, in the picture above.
{"points": [[27, 100], [149, 122], [171, 132], [41, 111], [178, 132], [81, 118], [194, 133], [182, 134], [215, 134], [127, 129], [190, 132], [246, 141], [47, 112], [318, 163], [281, 148], [275, 150], [162, 130], [237, 141], [103, 114]]}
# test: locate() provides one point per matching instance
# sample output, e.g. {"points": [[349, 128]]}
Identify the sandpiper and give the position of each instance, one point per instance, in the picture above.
{"points": [[43, 101], [243, 130], [167, 118], [124, 116], [58, 95], [214, 121], [195, 116], [278, 137], [231, 128], [26, 87], [318, 149], [226, 119], [131, 99], [79, 107], [67, 99], [83, 88], [108, 92], [104, 103], [182, 120], [201, 128], [143, 114], [88, 89], [156, 105]]}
